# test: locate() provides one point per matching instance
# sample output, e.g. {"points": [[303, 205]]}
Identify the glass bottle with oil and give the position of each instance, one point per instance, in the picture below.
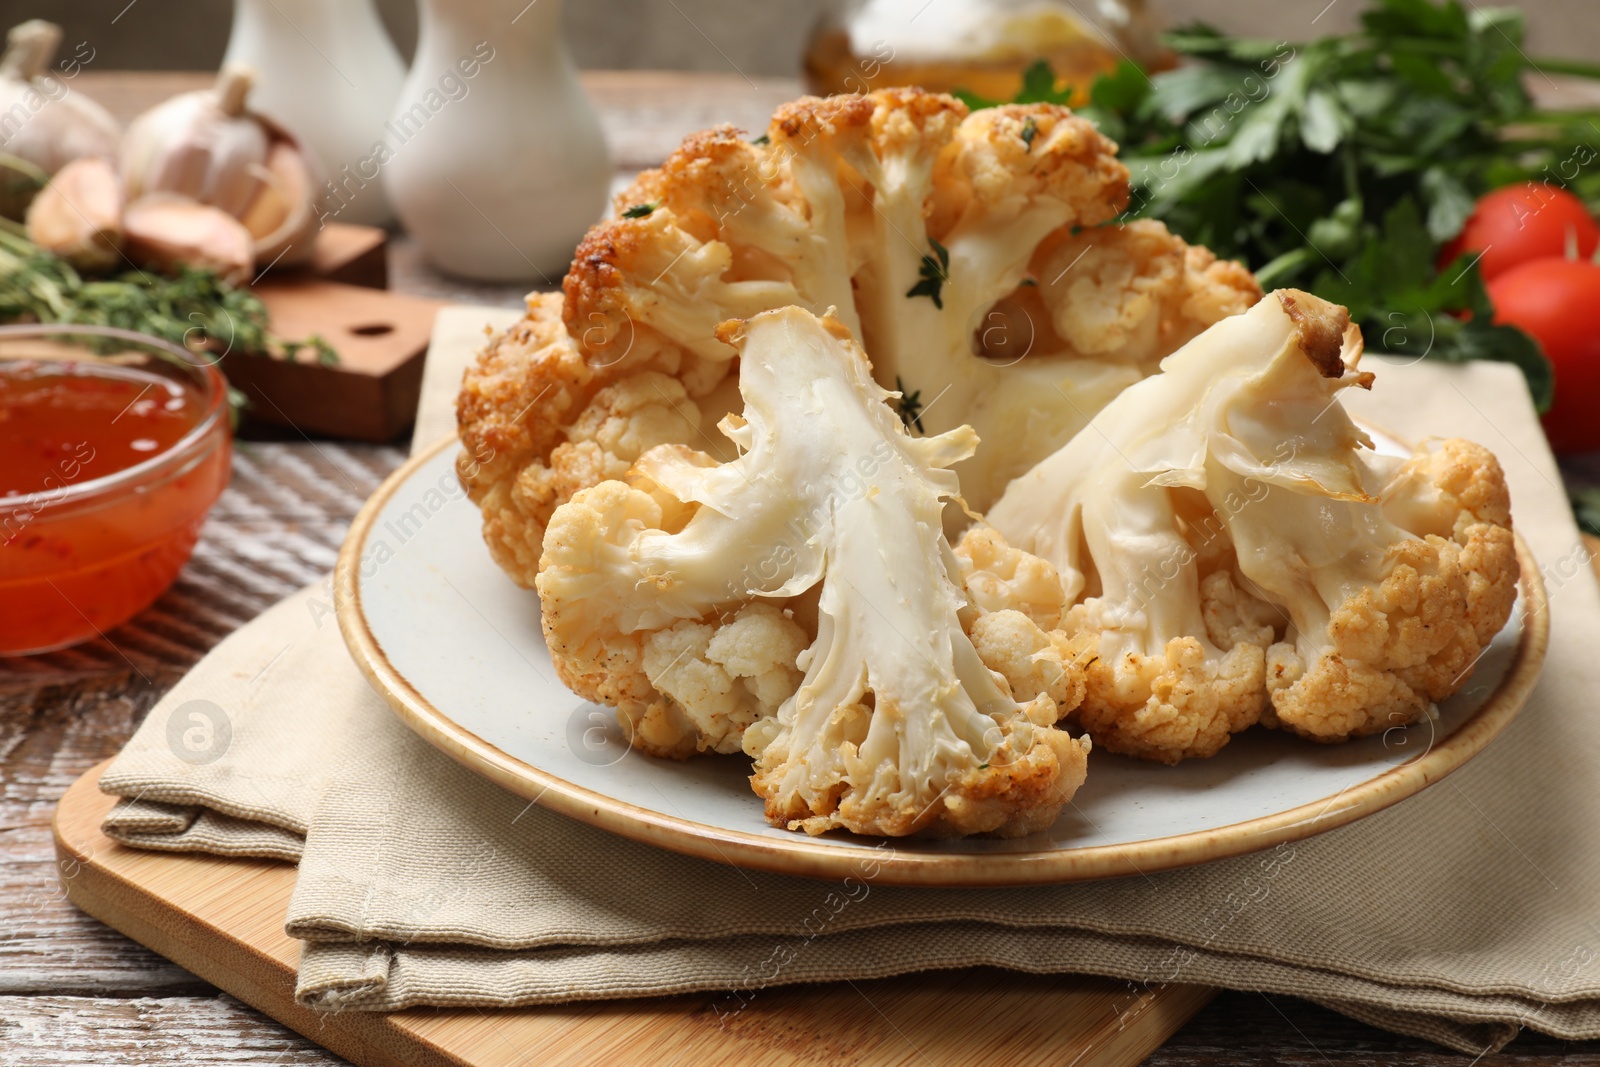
{"points": [[982, 46]]}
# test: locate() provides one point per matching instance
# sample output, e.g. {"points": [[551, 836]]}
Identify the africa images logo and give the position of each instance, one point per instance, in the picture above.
{"points": [[199, 732]]}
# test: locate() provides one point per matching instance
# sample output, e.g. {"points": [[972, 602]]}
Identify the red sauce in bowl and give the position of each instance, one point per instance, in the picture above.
{"points": [[64, 423], [106, 474]]}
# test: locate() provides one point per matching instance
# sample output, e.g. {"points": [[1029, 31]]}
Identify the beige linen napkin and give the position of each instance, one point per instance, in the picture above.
{"points": [[1458, 915]]}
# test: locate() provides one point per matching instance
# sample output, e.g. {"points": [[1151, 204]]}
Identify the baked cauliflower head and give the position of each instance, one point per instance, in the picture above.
{"points": [[801, 601], [1239, 554], [966, 252]]}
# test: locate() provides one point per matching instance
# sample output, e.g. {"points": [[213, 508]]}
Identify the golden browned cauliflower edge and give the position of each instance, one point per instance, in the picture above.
{"points": [[539, 421], [1398, 648]]}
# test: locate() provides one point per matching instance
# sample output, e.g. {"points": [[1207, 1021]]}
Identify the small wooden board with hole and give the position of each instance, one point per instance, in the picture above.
{"points": [[371, 393], [222, 918], [380, 336]]}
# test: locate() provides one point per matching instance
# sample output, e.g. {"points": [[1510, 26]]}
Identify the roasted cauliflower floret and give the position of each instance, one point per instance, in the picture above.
{"points": [[1183, 699], [915, 221], [1031, 660], [999, 577], [1240, 554], [907, 707], [724, 675], [1409, 622], [539, 420], [1134, 293], [1161, 685]]}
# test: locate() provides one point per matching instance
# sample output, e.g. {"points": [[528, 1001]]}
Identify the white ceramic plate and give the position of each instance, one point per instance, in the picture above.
{"points": [[455, 648]]}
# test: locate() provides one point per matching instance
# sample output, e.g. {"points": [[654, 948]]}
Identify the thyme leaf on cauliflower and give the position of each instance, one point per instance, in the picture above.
{"points": [[934, 272], [909, 405]]}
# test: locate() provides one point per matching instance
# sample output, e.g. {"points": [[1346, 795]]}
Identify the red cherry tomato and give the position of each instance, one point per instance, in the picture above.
{"points": [[1554, 300], [1521, 223]]}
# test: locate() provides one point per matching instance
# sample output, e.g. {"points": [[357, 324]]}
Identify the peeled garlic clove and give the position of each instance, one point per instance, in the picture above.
{"points": [[281, 218], [46, 124], [204, 145], [272, 205], [165, 231], [78, 216]]}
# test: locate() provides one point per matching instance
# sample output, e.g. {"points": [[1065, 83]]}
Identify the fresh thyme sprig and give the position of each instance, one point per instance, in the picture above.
{"points": [[192, 309]]}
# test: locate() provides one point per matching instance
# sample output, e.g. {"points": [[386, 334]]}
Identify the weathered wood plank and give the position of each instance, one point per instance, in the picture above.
{"points": [[48, 737], [1254, 1030], [171, 1031], [1237, 1030], [49, 946]]}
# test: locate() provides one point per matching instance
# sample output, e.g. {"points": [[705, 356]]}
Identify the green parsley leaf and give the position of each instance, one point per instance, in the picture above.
{"points": [[1450, 203], [1342, 165], [1586, 509], [763, 139], [1121, 92], [638, 211], [1030, 130], [1038, 87]]}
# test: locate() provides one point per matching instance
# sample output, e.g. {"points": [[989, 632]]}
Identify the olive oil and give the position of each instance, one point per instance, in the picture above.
{"points": [[982, 46]]}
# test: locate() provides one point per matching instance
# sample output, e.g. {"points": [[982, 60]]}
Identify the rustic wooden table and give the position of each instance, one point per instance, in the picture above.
{"points": [[73, 991]]}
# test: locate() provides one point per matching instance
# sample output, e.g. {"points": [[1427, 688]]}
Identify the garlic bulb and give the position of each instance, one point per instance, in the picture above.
{"points": [[209, 147], [78, 216], [47, 125]]}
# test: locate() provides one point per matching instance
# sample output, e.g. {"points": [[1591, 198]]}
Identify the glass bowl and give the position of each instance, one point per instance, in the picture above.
{"points": [[80, 554]]}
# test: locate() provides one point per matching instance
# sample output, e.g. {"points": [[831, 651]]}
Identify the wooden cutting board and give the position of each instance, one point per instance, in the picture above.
{"points": [[223, 919]]}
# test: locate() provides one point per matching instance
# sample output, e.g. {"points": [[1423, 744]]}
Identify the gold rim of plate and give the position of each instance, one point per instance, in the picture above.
{"points": [[808, 857]]}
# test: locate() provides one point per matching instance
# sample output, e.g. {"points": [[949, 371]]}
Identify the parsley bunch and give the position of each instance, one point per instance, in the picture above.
{"points": [[1343, 165]]}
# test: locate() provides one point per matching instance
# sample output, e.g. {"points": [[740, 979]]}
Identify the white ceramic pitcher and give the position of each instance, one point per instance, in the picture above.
{"points": [[498, 161], [327, 70]]}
